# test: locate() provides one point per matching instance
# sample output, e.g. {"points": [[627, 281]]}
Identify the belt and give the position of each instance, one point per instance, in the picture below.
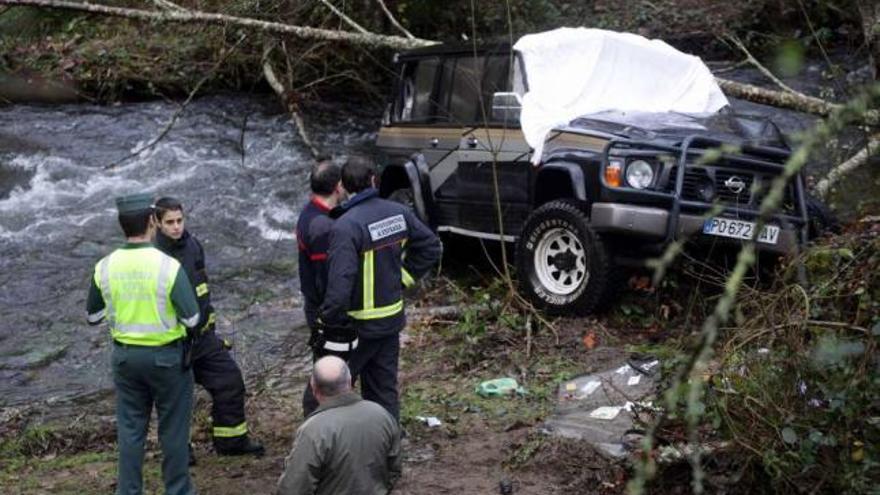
{"points": [[173, 343]]}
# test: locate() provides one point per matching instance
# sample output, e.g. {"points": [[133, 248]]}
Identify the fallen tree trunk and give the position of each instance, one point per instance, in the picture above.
{"points": [[871, 148], [784, 99], [197, 17]]}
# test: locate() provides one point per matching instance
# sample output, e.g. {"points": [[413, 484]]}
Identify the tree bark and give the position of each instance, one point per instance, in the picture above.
{"points": [[195, 17], [871, 148], [783, 99], [870, 13]]}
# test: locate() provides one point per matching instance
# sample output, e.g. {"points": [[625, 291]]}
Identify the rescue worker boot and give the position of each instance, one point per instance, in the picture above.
{"points": [[242, 445]]}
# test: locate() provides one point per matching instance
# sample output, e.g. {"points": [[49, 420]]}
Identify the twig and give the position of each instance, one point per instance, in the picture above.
{"points": [[241, 138], [838, 324], [394, 22], [752, 60], [731, 67], [345, 18], [179, 112]]}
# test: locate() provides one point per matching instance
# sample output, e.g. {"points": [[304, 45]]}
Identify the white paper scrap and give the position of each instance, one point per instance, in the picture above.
{"points": [[634, 380], [606, 412], [590, 387], [431, 421]]}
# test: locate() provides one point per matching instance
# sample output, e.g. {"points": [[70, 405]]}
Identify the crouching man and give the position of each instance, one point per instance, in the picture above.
{"points": [[347, 445]]}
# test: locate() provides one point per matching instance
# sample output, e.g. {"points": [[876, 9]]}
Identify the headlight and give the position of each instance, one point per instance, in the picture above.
{"points": [[639, 174]]}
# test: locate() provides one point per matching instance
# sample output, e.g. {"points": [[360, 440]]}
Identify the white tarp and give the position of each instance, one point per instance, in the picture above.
{"points": [[573, 72]]}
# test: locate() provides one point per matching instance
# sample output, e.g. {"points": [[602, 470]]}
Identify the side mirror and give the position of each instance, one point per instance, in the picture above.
{"points": [[506, 107]]}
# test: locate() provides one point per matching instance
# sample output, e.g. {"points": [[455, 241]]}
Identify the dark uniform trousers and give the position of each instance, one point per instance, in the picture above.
{"points": [[214, 369], [374, 362], [144, 375]]}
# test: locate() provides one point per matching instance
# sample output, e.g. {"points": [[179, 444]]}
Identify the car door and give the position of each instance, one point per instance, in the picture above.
{"points": [[486, 149]]}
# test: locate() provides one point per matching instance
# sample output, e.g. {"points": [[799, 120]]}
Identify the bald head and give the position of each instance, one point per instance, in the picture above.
{"points": [[331, 377]]}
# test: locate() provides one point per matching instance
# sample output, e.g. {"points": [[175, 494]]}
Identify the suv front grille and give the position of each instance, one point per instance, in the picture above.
{"points": [[727, 183], [724, 184]]}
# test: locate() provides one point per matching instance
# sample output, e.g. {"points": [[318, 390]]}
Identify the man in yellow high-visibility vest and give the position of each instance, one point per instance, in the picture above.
{"points": [[149, 304]]}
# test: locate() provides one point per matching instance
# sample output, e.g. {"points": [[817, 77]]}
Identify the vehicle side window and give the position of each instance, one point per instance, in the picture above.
{"points": [[416, 90], [464, 102], [495, 79]]}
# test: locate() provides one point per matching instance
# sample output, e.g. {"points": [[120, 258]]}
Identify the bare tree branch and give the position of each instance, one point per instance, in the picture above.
{"points": [[751, 59], [345, 18], [288, 101], [194, 16], [394, 22], [872, 147]]}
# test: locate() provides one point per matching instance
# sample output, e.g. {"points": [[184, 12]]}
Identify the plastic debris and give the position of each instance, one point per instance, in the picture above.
{"points": [[431, 421], [499, 387], [606, 412]]}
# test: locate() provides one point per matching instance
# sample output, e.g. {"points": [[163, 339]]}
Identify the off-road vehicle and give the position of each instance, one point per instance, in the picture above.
{"points": [[611, 189]]}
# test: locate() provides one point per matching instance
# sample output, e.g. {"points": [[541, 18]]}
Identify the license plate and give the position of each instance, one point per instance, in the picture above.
{"points": [[739, 229]]}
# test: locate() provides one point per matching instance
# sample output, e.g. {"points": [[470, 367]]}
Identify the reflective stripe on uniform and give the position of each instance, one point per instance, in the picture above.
{"points": [[380, 312], [341, 346], [201, 289], [211, 319], [369, 275], [231, 431], [139, 328], [104, 270], [408, 279], [162, 286]]}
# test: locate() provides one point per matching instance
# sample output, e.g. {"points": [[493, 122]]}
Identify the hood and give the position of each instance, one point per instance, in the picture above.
{"points": [[673, 127]]}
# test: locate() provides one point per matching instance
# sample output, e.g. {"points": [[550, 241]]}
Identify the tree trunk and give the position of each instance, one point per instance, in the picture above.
{"points": [[870, 12]]}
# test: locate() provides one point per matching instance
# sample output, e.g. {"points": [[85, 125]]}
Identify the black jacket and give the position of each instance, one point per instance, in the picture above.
{"points": [[189, 252], [376, 247], [313, 241]]}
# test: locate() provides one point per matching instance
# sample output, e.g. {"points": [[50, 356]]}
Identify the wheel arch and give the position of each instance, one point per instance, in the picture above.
{"points": [[414, 175], [560, 180]]}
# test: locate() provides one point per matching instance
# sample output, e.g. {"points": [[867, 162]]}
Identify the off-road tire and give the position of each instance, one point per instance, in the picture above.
{"points": [[562, 227]]}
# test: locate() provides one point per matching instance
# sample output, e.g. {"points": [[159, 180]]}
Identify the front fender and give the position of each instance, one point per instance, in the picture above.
{"points": [[549, 186]]}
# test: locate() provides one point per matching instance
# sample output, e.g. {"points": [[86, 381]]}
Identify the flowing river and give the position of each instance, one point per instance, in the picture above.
{"points": [[241, 171]]}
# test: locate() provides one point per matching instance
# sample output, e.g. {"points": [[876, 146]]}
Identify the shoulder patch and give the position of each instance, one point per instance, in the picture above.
{"points": [[387, 227]]}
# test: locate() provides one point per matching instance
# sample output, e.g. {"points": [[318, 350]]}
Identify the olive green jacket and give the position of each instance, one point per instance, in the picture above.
{"points": [[347, 446]]}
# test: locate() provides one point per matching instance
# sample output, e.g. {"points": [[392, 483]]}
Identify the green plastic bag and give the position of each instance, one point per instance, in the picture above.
{"points": [[500, 387]]}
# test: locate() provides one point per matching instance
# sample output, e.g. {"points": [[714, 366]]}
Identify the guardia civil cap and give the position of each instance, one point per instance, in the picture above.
{"points": [[134, 202]]}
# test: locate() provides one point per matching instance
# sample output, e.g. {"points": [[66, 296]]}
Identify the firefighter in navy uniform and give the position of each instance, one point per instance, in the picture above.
{"points": [[313, 241], [377, 247], [213, 366], [150, 308]]}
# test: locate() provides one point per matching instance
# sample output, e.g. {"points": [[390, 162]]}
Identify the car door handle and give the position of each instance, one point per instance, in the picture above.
{"points": [[472, 142], [434, 142]]}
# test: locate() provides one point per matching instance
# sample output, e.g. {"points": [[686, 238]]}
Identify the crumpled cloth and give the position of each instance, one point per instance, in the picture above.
{"points": [[572, 72]]}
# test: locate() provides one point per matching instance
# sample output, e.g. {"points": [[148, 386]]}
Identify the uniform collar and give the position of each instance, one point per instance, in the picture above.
{"points": [[360, 197], [166, 242], [343, 400], [137, 245], [320, 203]]}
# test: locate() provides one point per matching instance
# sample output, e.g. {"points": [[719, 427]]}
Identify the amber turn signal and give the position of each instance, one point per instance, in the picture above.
{"points": [[612, 174]]}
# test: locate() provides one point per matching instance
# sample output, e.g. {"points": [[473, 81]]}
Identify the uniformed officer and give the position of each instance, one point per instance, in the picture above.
{"points": [[376, 248], [313, 241], [213, 366], [148, 303]]}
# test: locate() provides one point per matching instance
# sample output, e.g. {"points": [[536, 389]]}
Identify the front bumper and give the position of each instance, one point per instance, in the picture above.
{"points": [[651, 223]]}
